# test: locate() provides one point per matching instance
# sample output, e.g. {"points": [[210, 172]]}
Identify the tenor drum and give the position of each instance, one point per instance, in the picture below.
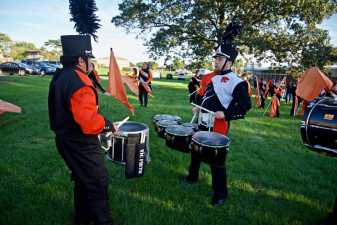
{"points": [[319, 125], [159, 117], [178, 137], [161, 125], [129, 146], [210, 146], [194, 126]]}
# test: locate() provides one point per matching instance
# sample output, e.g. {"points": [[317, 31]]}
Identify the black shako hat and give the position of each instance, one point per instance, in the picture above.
{"points": [[227, 50], [227, 47], [76, 45]]}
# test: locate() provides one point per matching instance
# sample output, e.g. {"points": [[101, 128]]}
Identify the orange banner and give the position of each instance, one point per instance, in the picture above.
{"points": [[115, 86]]}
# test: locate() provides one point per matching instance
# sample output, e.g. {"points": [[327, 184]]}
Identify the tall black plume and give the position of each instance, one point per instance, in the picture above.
{"points": [[83, 15]]}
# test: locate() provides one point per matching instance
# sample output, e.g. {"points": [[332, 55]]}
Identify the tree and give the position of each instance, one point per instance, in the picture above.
{"points": [[52, 49], [19, 49], [178, 64], [153, 65], [5, 44], [191, 28]]}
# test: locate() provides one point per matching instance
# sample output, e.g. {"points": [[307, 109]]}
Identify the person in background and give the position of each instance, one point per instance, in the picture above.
{"points": [[94, 77], [145, 78], [193, 86]]}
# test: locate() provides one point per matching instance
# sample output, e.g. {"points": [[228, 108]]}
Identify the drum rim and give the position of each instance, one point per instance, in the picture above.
{"points": [[180, 135], [166, 125], [210, 146], [146, 130], [214, 146], [178, 118]]}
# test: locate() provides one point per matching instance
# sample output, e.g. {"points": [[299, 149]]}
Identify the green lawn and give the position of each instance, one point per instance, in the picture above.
{"points": [[273, 178]]}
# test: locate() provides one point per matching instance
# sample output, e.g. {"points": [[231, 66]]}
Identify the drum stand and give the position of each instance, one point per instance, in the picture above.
{"points": [[209, 118]]}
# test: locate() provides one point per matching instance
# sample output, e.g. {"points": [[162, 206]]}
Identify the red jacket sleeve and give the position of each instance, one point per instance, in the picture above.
{"points": [[84, 108]]}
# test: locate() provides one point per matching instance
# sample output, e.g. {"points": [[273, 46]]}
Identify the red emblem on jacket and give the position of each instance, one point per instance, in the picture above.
{"points": [[224, 79]]}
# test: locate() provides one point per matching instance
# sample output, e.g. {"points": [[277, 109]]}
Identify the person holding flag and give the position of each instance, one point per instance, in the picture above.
{"points": [[145, 78]]}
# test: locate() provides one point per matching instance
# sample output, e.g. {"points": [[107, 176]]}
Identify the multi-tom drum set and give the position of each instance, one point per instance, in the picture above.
{"points": [[186, 137]]}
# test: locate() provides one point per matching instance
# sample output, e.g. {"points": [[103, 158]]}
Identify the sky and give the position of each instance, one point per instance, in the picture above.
{"points": [[37, 21]]}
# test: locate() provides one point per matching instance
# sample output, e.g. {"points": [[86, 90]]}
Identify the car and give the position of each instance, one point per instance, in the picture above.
{"points": [[15, 68], [42, 67], [180, 74], [55, 64]]}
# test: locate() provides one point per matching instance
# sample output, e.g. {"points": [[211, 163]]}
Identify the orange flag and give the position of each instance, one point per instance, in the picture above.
{"points": [[8, 107], [311, 83], [257, 95], [115, 86], [274, 105], [132, 84]]}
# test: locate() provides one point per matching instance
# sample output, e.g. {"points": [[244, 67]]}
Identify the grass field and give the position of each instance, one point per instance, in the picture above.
{"points": [[273, 178]]}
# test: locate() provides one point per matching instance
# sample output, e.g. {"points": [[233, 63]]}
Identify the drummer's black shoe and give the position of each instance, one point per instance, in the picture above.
{"points": [[190, 180], [217, 201], [83, 221], [330, 221]]}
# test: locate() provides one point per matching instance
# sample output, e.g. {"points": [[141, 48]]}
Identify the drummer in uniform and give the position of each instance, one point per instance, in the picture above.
{"points": [[226, 94], [74, 117]]}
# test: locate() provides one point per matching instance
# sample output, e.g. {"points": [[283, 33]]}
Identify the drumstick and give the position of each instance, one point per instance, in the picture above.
{"points": [[209, 111], [122, 122], [193, 118]]}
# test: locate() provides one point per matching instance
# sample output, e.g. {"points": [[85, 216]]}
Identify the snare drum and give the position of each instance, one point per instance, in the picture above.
{"points": [[129, 146], [212, 147], [161, 125], [178, 137]]}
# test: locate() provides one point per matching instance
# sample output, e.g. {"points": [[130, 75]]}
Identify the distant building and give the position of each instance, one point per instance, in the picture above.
{"points": [[33, 54], [122, 62]]}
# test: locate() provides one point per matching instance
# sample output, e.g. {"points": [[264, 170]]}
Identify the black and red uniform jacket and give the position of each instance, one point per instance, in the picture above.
{"points": [[73, 104], [237, 108]]}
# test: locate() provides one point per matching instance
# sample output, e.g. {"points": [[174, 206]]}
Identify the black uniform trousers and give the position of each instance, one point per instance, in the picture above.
{"points": [[86, 162], [143, 95], [219, 176]]}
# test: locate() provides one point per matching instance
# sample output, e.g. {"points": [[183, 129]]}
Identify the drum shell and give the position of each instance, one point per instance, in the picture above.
{"points": [[319, 126], [179, 143], [210, 155], [130, 147], [160, 128]]}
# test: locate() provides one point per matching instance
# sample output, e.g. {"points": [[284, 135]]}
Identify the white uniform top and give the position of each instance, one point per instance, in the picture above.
{"points": [[224, 86]]}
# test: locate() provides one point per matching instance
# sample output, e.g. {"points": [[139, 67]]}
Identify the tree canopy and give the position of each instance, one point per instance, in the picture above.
{"points": [[191, 28]]}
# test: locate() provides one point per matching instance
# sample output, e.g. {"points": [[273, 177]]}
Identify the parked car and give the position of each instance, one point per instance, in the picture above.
{"points": [[43, 68], [15, 68], [55, 64], [180, 74]]}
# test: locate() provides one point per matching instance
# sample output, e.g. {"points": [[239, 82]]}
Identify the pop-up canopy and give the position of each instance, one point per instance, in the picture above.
{"points": [[311, 83]]}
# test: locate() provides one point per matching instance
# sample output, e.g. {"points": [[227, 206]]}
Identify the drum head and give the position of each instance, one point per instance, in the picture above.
{"points": [[191, 125], [166, 123], [131, 126], [179, 130], [159, 117], [211, 139]]}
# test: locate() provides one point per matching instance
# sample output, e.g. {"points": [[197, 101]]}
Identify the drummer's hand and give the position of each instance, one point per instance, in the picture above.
{"points": [[219, 115], [195, 109], [115, 128], [107, 93]]}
